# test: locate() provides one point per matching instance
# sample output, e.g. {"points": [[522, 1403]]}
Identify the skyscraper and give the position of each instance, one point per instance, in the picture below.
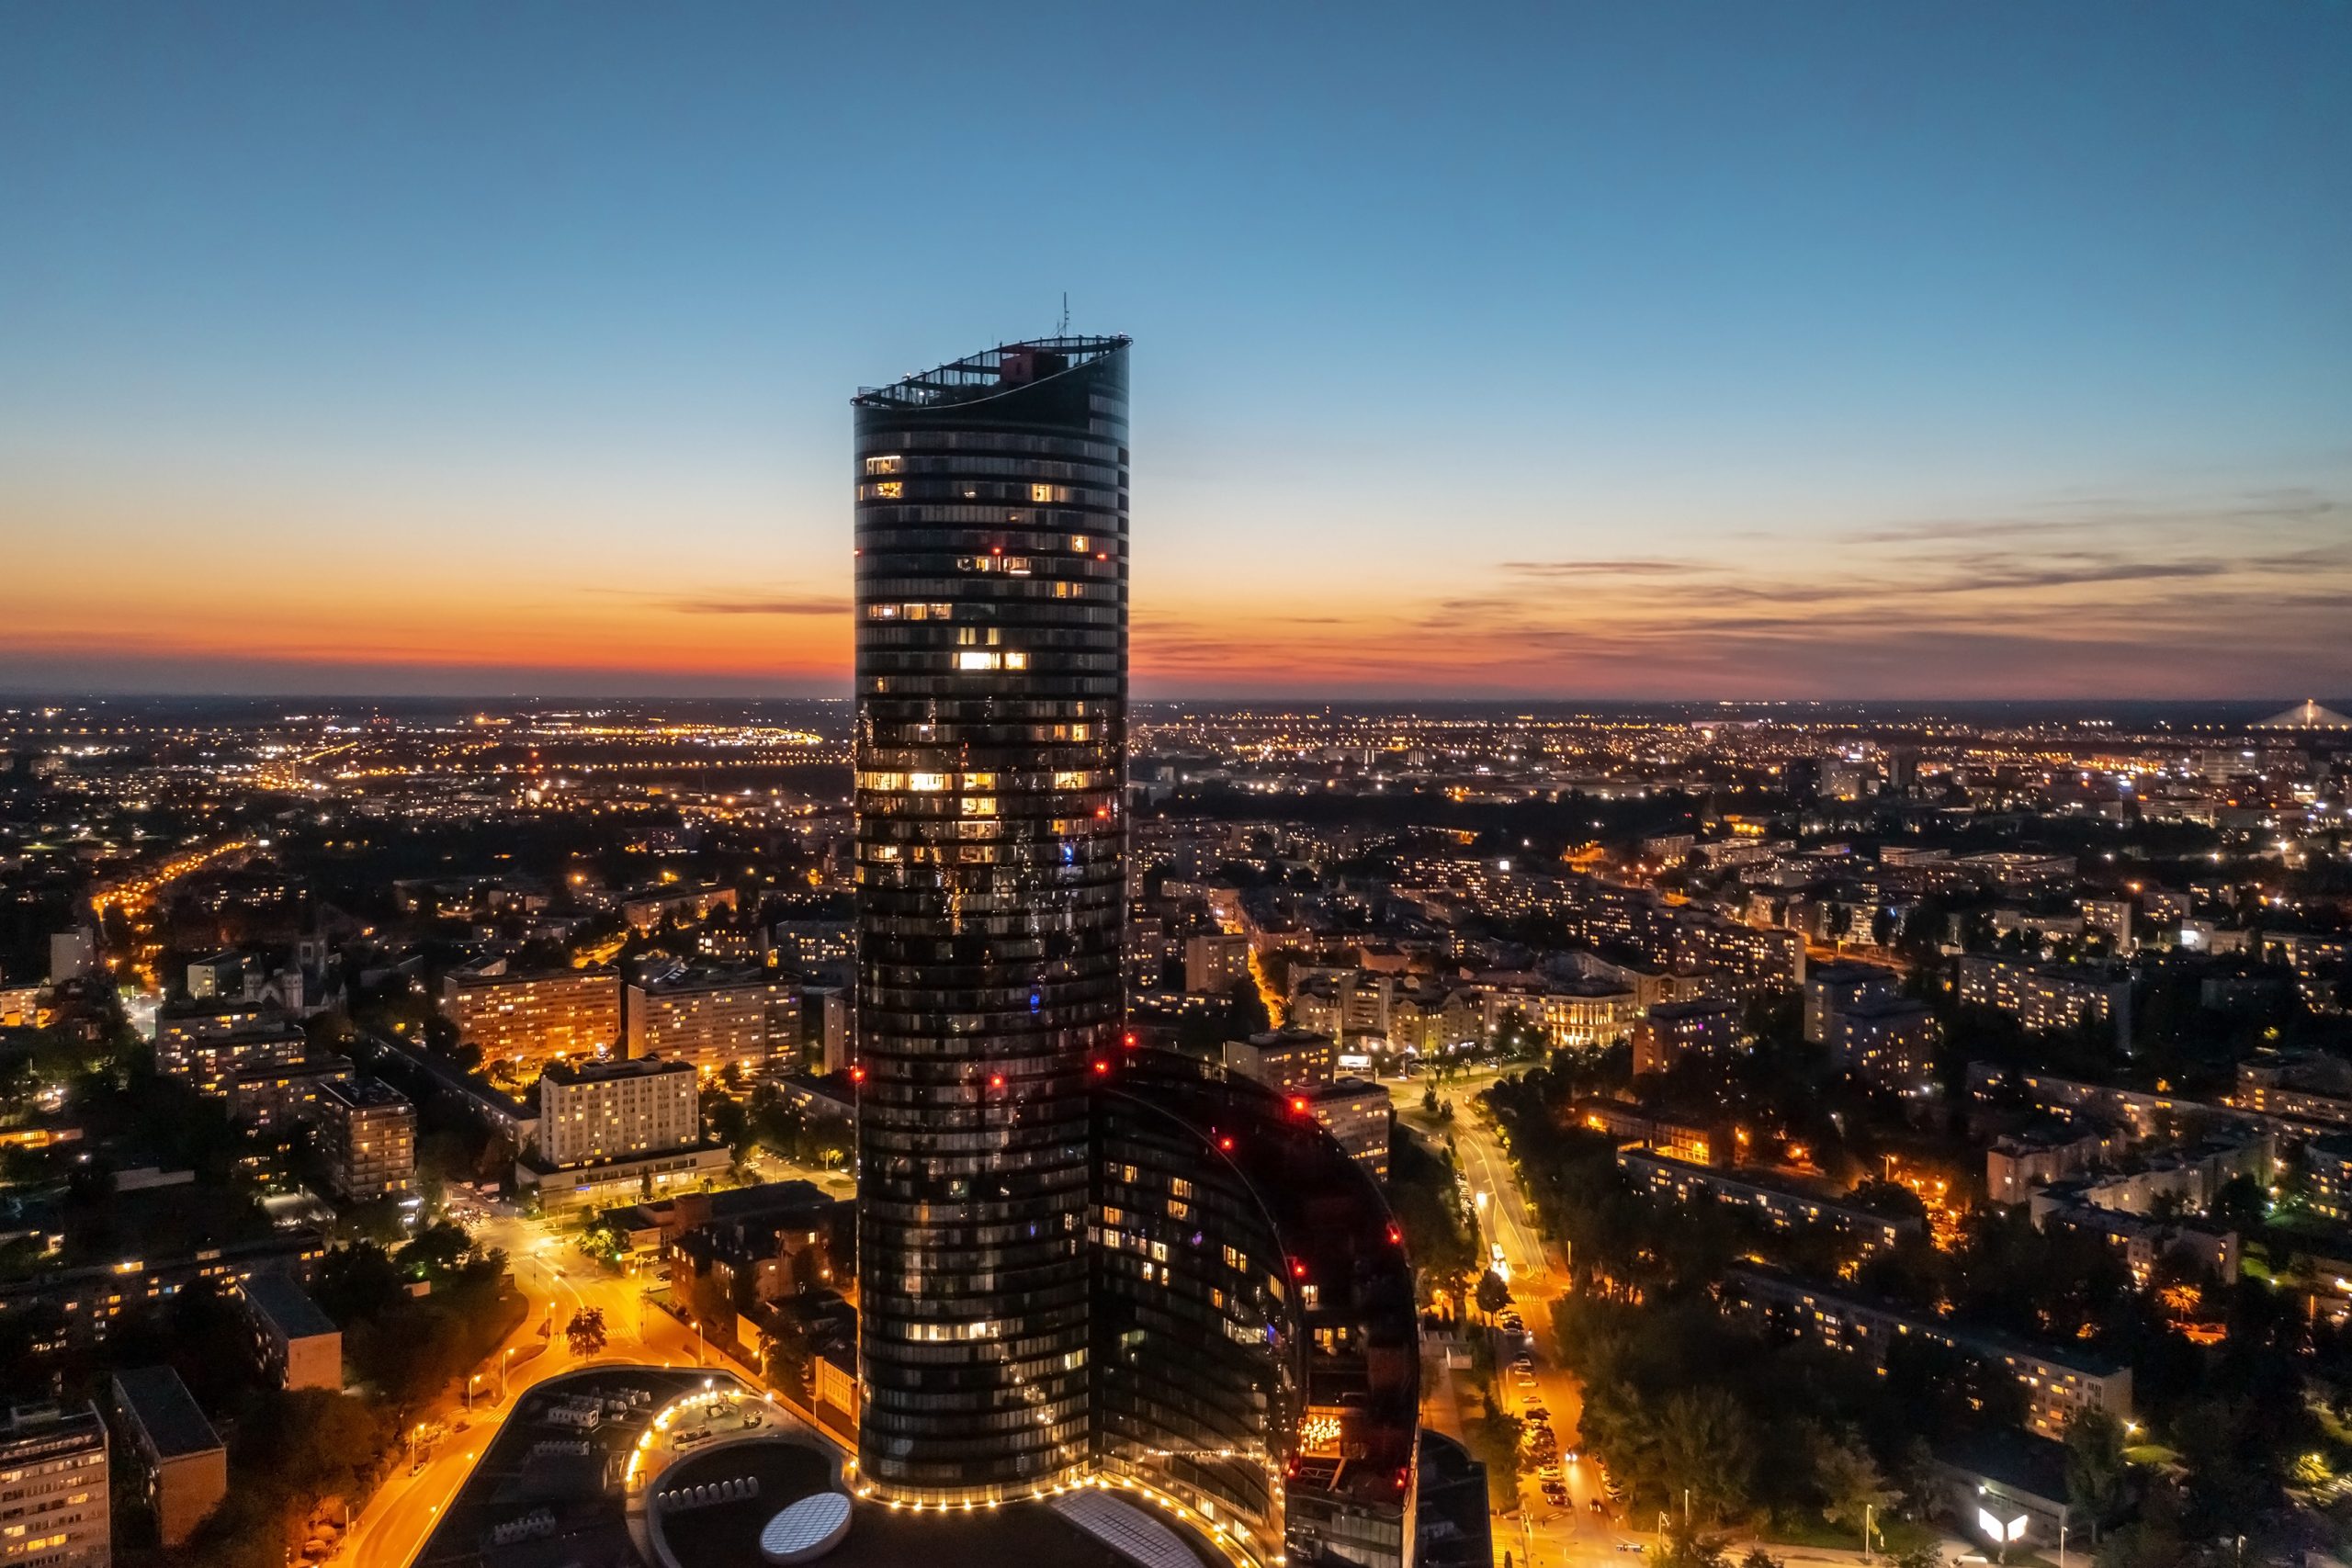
{"points": [[991, 522]]}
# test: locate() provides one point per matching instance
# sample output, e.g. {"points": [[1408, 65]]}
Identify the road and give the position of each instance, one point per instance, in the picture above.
{"points": [[557, 1281]]}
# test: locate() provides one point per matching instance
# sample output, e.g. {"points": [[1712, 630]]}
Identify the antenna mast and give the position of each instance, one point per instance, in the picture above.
{"points": [[1065, 329]]}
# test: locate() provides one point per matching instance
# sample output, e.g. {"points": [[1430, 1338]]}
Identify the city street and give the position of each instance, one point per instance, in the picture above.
{"points": [[557, 1281]]}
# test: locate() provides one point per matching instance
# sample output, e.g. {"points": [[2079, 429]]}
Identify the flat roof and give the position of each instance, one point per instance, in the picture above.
{"points": [[288, 1306], [166, 1413]]}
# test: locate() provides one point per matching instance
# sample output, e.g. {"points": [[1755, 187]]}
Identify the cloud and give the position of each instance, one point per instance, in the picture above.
{"points": [[1604, 568], [761, 606]]}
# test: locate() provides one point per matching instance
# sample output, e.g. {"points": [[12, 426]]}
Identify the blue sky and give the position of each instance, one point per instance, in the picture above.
{"points": [[1646, 350]]}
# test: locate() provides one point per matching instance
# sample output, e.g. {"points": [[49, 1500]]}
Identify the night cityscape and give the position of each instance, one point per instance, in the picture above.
{"points": [[1602, 815]]}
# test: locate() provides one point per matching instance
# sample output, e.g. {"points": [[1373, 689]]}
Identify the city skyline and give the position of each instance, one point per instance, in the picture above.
{"points": [[1728, 357]]}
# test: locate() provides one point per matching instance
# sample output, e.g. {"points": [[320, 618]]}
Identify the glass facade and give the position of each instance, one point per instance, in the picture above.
{"points": [[1256, 1345], [991, 656]]}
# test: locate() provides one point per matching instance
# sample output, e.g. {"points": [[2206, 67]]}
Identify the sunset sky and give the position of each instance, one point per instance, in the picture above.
{"points": [[1637, 351]]}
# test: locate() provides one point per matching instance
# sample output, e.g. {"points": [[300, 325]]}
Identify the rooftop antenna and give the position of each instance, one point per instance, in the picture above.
{"points": [[1065, 328]]}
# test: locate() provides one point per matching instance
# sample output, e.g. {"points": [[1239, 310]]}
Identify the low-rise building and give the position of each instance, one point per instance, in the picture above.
{"points": [[2057, 1383], [297, 1345], [1781, 1204], [178, 1457], [55, 1491], [2141, 1241]]}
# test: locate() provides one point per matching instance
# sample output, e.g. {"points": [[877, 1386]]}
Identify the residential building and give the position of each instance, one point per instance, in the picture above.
{"points": [[178, 1456], [55, 1488], [272, 1094], [2057, 1383], [1356, 1113], [1672, 1032], [296, 1344], [991, 654], [713, 1019], [1887, 1041], [1780, 1204], [1284, 1060], [603, 1110], [1215, 961], [534, 1017], [2045, 997], [368, 1135], [1829, 989]]}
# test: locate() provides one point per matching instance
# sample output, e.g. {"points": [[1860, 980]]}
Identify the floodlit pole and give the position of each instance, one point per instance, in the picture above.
{"points": [[1867, 1509]]}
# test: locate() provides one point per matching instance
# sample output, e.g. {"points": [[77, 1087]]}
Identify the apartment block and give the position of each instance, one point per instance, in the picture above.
{"points": [[2057, 1384], [2044, 997], [713, 1019], [1356, 1115], [296, 1344], [1780, 1205], [603, 1110], [1284, 1060], [173, 1450], [367, 1132], [1672, 1032], [535, 1015], [55, 1495]]}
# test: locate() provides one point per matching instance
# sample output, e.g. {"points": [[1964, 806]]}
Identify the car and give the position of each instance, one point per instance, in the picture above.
{"points": [[1554, 1493], [1598, 1512], [1538, 1415], [1630, 1545], [1524, 1364]]}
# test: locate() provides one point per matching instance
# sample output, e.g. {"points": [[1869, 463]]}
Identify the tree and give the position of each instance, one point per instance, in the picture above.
{"points": [[1493, 1294], [2241, 1205], [2094, 1464], [1706, 1446], [1852, 1486], [586, 1332], [1685, 1547], [1758, 1558]]}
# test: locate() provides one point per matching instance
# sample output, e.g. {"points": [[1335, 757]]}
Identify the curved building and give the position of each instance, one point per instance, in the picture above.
{"points": [[1257, 1353], [992, 603]]}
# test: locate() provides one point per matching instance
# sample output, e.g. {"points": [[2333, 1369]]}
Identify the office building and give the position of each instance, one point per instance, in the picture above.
{"points": [[991, 675], [535, 1017], [55, 1495], [1254, 1338], [368, 1134], [713, 1019], [178, 1458]]}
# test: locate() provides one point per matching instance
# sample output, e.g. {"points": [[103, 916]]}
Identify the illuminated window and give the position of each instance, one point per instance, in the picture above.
{"points": [[980, 806], [1017, 662], [926, 781], [1017, 565], [1071, 780], [974, 660], [1081, 543], [881, 612], [889, 489], [890, 464], [980, 780]]}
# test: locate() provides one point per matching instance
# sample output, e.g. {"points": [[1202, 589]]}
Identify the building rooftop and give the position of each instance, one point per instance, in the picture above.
{"points": [[991, 371], [288, 1306], [363, 1094], [574, 1073], [164, 1411]]}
